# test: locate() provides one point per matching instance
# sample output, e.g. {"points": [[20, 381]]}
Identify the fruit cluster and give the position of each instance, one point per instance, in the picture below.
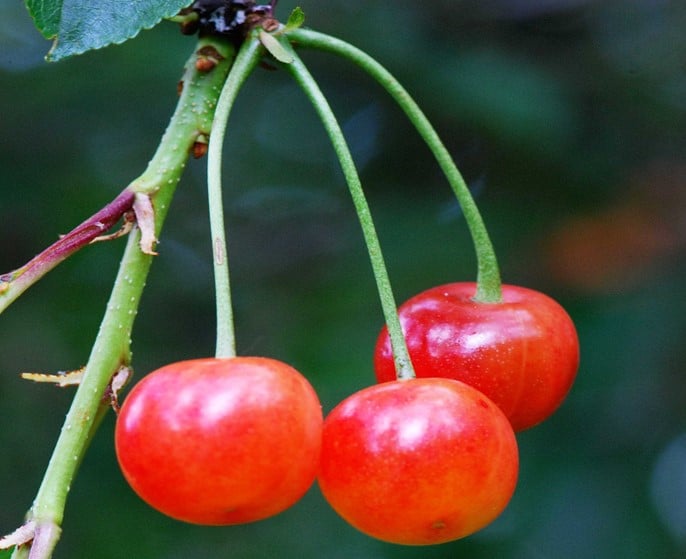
{"points": [[428, 454], [418, 461]]}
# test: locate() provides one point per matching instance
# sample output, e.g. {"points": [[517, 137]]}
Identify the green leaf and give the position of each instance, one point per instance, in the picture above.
{"points": [[78, 26], [296, 19], [46, 16]]}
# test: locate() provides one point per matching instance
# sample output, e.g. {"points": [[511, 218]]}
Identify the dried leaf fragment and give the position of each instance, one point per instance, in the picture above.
{"points": [[22, 535], [61, 378], [145, 218]]}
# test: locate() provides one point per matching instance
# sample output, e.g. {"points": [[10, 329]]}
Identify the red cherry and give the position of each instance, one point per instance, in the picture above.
{"points": [[418, 462], [220, 441], [523, 352]]}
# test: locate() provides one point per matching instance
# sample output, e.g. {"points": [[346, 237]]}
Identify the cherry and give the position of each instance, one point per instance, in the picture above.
{"points": [[220, 441], [419, 461], [523, 352]]}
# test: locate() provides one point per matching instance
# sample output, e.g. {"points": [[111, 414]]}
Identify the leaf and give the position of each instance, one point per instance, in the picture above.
{"points": [[46, 16], [274, 47], [296, 18], [82, 25]]}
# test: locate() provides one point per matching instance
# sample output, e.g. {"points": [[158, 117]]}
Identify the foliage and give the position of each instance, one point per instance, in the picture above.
{"points": [[81, 25]]}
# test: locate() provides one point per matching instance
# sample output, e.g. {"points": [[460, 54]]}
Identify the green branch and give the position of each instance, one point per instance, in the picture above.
{"points": [[191, 120], [488, 274]]}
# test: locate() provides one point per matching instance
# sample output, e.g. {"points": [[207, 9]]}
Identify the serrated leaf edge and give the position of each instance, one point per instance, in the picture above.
{"points": [[50, 56]]}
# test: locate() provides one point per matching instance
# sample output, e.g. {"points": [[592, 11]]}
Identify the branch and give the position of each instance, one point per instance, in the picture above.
{"points": [[152, 193], [14, 283]]}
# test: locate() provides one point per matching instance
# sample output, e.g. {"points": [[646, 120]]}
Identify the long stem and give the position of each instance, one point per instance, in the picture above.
{"points": [[245, 62], [111, 350], [309, 85], [488, 274]]}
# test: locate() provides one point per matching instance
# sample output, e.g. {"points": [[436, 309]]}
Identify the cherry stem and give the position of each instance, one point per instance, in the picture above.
{"points": [[488, 274], [403, 364], [246, 60]]}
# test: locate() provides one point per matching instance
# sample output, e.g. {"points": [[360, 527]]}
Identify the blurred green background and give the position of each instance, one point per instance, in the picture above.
{"points": [[567, 118]]}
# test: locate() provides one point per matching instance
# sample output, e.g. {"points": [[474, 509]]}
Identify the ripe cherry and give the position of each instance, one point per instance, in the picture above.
{"points": [[418, 462], [523, 352], [220, 441]]}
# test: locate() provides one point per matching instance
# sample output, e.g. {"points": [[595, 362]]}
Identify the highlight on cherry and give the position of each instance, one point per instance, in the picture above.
{"points": [[425, 454]]}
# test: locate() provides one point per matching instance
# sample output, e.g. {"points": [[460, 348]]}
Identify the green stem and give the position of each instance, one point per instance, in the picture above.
{"points": [[109, 353], [309, 85], [488, 274], [246, 60], [111, 350]]}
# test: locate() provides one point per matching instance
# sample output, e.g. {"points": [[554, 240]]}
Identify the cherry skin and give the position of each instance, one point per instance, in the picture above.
{"points": [[418, 462], [220, 441], [523, 352]]}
